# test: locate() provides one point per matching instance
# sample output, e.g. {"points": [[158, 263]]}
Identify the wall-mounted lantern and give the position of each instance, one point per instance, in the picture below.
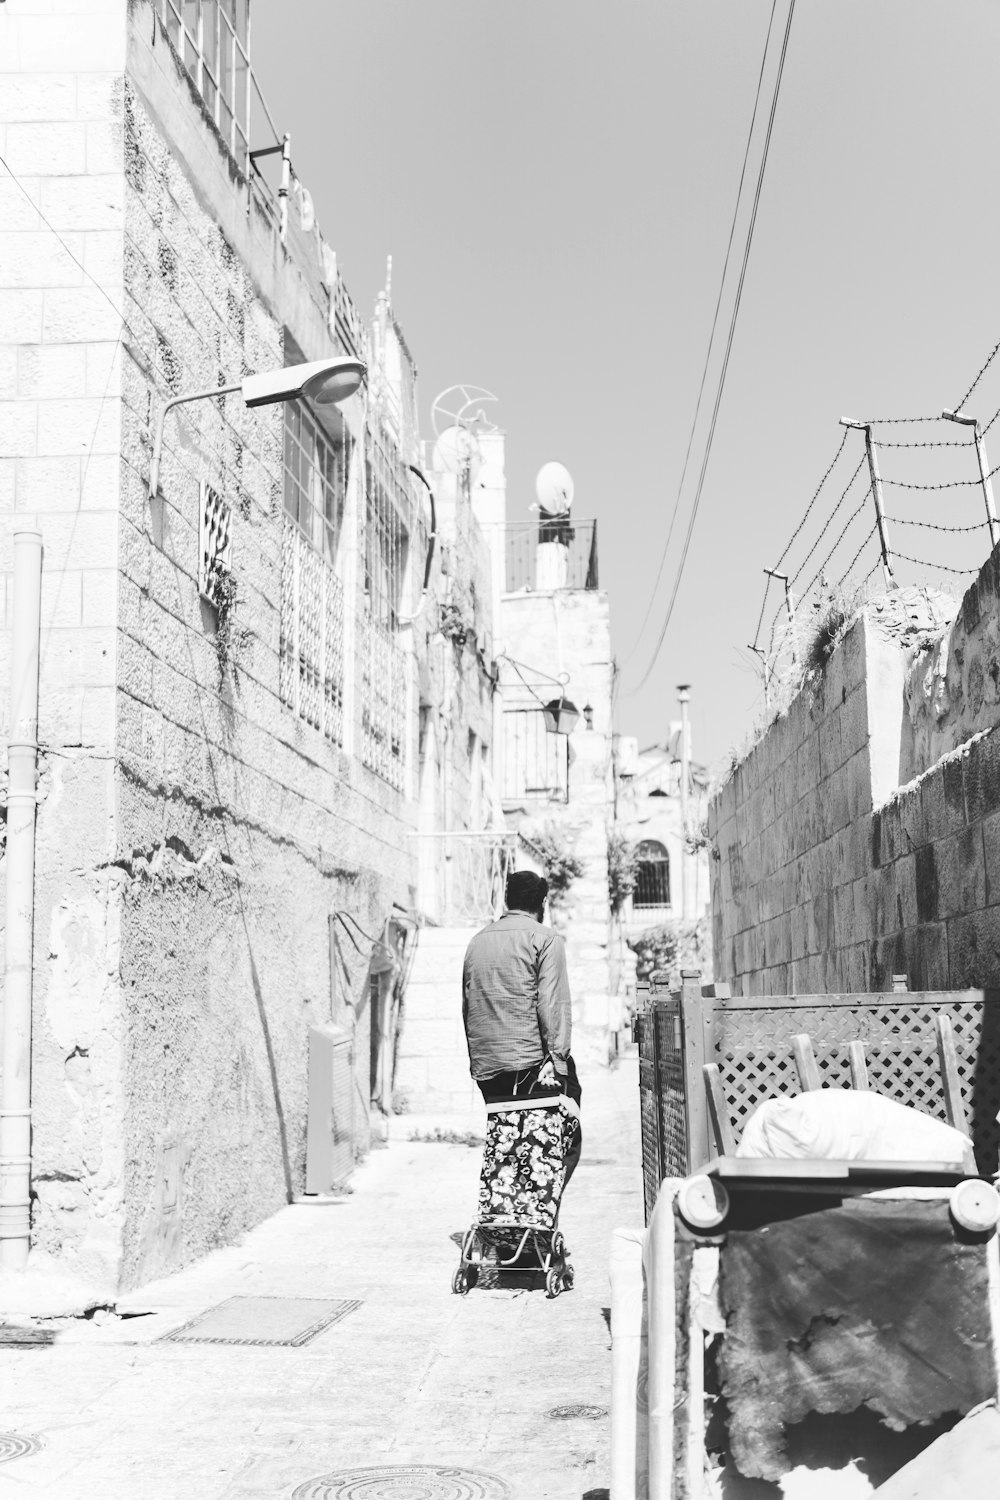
{"points": [[561, 716], [588, 716]]}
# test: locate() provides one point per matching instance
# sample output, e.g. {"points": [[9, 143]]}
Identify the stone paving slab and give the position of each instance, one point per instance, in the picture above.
{"points": [[415, 1375]]}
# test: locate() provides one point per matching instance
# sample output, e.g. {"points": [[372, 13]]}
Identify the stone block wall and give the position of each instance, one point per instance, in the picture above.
{"points": [[832, 874]]}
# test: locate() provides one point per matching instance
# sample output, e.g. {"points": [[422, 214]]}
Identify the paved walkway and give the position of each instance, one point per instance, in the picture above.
{"points": [[415, 1375]]}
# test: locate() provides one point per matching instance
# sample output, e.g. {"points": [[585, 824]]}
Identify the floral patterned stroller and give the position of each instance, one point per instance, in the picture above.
{"points": [[520, 1185]]}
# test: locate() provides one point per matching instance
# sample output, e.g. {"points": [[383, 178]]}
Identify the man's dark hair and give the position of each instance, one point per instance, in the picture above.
{"points": [[526, 891]]}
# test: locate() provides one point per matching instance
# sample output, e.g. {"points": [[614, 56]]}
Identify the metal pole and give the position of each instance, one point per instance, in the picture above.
{"points": [[789, 609], [984, 470], [759, 651], [154, 462], [285, 188], [22, 748], [683, 697], [883, 534]]}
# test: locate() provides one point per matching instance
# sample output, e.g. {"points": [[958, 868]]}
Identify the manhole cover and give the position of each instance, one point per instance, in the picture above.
{"points": [[403, 1482], [290, 1321], [591, 1413], [17, 1445], [14, 1336]]}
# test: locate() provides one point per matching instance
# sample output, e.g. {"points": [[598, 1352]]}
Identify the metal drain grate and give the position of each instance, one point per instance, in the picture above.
{"points": [[591, 1413], [17, 1445], [403, 1482], [288, 1321]]}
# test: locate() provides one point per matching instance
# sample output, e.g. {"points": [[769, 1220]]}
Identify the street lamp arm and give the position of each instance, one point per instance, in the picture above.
{"points": [[154, 463]]}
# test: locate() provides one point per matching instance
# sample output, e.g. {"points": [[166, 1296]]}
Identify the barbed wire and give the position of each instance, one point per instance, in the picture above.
{"points": [[826, 526], [854, 559], [923, 563], [815, 497], [763, 606], [898, 421], [847, 524], [950, 484], [936, 443], [989, 360], [989, 424], [935, 525]]}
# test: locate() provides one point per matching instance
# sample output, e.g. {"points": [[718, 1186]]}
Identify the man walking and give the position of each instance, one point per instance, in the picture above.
{"points": [[516, 1004]]}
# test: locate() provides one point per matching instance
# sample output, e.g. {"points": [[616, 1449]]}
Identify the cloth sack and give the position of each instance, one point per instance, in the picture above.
{"points": [[849, 1125]]}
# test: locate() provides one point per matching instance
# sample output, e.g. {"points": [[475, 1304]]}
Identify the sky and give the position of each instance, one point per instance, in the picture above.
{"points": [[555, 181]]}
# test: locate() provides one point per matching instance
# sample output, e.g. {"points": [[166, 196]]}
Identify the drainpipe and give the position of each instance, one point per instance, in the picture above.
{"points": [[15, 1039]]}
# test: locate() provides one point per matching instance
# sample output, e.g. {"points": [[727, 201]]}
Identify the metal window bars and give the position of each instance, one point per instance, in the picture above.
{"points": [[316, 468], [389, 512], [215, 545], [535, 762], [212, 37], [311, 652]]}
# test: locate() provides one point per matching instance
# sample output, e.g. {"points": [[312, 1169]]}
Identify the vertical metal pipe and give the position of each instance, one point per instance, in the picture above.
{"points": [[286, 184], [22, 748], [683, 696]]}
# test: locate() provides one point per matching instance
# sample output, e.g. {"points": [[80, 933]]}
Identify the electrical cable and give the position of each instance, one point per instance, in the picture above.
{"points": [[725, 362], [708, 351]]}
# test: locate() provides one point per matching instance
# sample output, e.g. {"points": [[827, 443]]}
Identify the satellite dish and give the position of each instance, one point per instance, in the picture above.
{"points": [[554, 488]]}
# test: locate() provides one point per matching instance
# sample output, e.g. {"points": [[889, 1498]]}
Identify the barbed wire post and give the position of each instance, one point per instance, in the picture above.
{"points": [[790, 610], [759, 651], [984, 469], [883, 534]]}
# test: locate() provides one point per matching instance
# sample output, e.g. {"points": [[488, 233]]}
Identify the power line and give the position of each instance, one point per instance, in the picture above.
{"points": [[725, 362], [708, 351]]}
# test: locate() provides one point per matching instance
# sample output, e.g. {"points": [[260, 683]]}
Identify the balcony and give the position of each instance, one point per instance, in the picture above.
{"points": [[549, 554]]}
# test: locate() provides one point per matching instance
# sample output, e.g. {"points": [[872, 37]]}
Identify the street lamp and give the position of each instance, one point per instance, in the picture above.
{"points": [[560, 716], [325, 381]]}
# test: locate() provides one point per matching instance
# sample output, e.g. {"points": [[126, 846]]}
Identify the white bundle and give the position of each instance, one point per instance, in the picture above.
{"points": [[849, 1125]]}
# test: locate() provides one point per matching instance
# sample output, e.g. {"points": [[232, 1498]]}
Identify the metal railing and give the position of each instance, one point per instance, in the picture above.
{"points": [[549, 554]]}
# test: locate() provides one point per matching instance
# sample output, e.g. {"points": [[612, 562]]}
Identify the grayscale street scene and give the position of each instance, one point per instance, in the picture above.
{"points": [[499, 804]]}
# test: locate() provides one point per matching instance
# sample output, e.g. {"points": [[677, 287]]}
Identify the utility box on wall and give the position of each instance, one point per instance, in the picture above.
{"points": [[330, 1120]]}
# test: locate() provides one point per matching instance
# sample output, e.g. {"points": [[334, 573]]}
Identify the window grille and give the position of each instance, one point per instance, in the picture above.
{"points": [[216, 545], [535, 762], [213, 39], [316, 465], [652, 885], [311, 659], [383, 680]]}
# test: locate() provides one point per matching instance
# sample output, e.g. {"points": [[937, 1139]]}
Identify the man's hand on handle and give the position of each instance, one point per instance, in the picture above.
{"points": [[547, 1075]]}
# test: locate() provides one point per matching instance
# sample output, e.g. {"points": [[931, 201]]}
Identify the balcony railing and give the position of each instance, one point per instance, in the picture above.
{"points": [[550, 554]]}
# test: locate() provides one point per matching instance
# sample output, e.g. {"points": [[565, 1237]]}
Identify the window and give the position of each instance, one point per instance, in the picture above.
{"points": [[312, 595], [316, 463], [212, 38], [652, 886], [386, 547], [535, 762]]}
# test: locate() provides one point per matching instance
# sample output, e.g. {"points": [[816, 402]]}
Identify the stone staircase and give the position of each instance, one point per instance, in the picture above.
{"points": [[432, 1071]]}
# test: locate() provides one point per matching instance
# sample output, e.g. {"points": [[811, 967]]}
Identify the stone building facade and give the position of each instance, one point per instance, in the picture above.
{"points": [[222, 769], [860, 837]]}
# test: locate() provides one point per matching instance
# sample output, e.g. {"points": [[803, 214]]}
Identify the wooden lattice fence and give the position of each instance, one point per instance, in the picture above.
{"points": [[749, 1037]]}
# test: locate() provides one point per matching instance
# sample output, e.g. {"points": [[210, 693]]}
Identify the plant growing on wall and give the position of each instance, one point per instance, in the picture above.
{"points": [[672, 947], [229, 637], [623, 869], [562, 866]]}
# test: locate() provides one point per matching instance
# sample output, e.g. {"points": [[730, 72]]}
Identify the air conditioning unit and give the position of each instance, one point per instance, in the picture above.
{"points": [[330, 1118]]}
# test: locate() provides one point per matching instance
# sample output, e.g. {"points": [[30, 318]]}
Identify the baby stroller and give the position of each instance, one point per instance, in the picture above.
{"points": [[520, 1186]]}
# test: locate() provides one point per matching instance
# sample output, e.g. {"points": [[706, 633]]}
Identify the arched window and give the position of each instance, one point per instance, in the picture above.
{"points": [[652, 886]]}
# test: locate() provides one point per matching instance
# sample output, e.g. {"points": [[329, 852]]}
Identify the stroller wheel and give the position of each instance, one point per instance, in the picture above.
{"points": [[558, 1247], [463, 1278], [568, 1277], [553, 1282]]}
